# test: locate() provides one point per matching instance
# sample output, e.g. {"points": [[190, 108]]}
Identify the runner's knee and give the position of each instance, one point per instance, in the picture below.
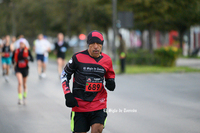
{"points": [[97, 128]]}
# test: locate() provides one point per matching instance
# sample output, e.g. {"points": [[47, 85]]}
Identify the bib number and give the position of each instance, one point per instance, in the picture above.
{"points": [[93, 84], [21, 64]]}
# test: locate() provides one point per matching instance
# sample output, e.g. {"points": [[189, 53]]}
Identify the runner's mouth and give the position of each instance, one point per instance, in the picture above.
{"points": [[96, 51]]}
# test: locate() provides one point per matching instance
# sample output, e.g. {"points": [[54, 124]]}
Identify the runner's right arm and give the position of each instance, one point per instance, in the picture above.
{"points": [[65, 77]]}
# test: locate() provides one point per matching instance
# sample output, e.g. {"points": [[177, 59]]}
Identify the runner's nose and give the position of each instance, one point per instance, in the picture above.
{"points": [[95, 45]]}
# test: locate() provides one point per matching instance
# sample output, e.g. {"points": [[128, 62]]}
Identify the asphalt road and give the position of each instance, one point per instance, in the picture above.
{"points": [[143, 103]]}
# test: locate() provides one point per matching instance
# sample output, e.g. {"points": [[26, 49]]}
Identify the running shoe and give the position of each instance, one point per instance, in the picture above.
{"points": [[20, 102], [6, 78], [43, 75], [40, 76]]}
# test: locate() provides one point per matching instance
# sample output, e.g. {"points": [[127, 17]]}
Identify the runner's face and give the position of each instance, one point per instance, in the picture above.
{"points": [[7, 39], [95, 50], [22, 45], [40, 37], [13, 39], [60, 37]]}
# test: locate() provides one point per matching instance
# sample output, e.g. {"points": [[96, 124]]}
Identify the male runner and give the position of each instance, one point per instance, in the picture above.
{"points": [[41, 47], [89, 97]]}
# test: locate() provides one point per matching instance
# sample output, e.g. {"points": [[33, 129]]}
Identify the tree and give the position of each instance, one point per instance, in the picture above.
{"points": [[163, 15], [182, 15], [148, 14]]}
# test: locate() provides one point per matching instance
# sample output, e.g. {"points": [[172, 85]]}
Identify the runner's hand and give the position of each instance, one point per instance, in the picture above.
{"points": [[110, 84], [70, 100]]}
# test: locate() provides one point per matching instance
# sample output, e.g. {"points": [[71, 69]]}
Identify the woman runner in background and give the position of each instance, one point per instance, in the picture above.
{"points": [[60, 49], [20, 58]]}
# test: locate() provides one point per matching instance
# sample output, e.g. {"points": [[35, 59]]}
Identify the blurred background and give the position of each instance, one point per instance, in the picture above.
{"points": [[161, 36], [144, 24]]}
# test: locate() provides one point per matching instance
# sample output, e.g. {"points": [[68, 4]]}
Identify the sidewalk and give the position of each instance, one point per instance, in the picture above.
{"points": [[194, 63]]}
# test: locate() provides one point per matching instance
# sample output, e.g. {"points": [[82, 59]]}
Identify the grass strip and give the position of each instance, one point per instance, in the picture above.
{"points": [[133, 69]]}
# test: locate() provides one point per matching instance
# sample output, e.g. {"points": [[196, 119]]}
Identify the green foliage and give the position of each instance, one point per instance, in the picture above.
{"points": [[141, 57], [52, 16], [75, 16], [163, 15], [167, 55]]}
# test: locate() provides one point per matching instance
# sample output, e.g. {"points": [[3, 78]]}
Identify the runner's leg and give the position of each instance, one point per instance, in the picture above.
{"points": [[97, 128], [7, 69], [39, 63], [60, 65], [98, 121], [9, 62], [20, 79], [4, 69], [63, 63], [25, 87], [25, 90], [43, 67]]}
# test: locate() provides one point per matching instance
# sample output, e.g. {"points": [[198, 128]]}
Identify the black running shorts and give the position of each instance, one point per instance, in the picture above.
{"points": [[81, 121], [40, 57], [24, 72]]}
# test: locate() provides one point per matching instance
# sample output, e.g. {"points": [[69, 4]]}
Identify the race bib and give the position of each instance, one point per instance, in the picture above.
{"points": [[93, 84], [6, 54], [22, 64]]}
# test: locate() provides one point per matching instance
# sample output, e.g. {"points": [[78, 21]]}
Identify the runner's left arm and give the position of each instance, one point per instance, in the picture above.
{"points": [[13, 54], [110, 78], [30, 55]]}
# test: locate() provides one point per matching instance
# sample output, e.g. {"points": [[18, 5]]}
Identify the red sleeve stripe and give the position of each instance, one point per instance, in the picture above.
{"points": [[65, 88]]}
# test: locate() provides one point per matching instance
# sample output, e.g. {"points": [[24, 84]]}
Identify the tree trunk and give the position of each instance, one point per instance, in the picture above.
{"points": [[142, 41], [68, 18], [181, 32], [150, 38], [13, 20], [108, 42]]}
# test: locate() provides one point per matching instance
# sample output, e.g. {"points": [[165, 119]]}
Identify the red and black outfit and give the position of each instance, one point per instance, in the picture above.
{"points": [[89, 97], [22, 57], [88, 88], [6, 50], [86, 68]]}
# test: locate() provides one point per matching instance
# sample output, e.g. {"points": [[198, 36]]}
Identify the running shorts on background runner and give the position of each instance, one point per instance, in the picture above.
{"points": [[6, 61], [40, 57]]}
